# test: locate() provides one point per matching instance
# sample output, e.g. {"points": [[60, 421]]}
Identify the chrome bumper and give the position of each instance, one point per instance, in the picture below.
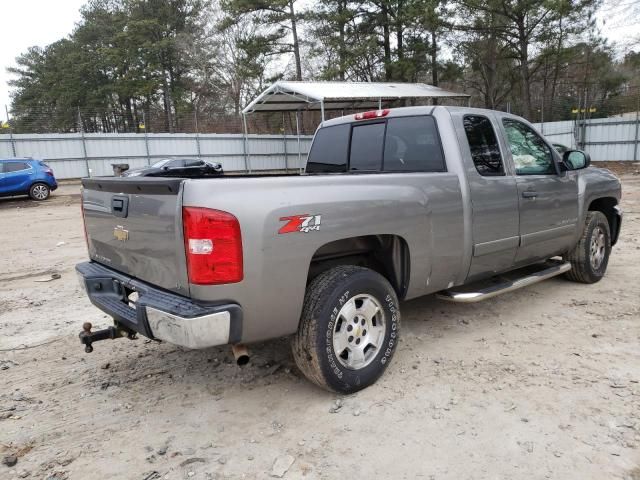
{"points": [[159, 314]]}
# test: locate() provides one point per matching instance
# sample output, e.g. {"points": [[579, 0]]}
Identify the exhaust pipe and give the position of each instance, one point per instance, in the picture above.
{"points": [[241, 354]]}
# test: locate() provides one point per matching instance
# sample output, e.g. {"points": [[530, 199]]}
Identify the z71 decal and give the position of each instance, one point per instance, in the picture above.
{"points": [[300, 223]]}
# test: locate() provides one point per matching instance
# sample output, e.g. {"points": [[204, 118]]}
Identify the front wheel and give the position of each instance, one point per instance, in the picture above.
{"points": [[349, 329], [39, 191], [590, 257]]}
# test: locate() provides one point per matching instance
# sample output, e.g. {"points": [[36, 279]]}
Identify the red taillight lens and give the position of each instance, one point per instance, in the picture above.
{"points": [[213, 245], [372, 114], [49, 172]]}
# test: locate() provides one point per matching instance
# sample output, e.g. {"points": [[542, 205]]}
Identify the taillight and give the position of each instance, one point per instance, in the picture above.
{"points": [[372, 114], [213, 246], [49, 172]]}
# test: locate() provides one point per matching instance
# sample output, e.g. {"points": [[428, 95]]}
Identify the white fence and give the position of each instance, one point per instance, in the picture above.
{"points": [[76, 155], [605, 139]]}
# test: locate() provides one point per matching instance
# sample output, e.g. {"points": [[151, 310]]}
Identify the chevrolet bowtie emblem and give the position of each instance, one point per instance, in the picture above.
{"points": [[119, 233]]}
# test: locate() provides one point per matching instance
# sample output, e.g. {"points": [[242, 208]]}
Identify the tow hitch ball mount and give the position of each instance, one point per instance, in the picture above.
{"points": [[87, 337]]}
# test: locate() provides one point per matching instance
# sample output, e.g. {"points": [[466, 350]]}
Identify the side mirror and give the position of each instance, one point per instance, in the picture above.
{"points": [[575, 159], [165, 168]]}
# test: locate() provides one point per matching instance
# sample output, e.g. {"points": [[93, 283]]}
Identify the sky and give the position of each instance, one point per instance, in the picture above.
{"points": [[25, 23]]}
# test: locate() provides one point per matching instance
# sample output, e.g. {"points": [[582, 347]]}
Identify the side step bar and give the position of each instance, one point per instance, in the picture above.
{"points": [[476, 292]]}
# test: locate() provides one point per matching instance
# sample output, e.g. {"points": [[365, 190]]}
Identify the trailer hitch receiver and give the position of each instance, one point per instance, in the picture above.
{"points": [[87, 337]]}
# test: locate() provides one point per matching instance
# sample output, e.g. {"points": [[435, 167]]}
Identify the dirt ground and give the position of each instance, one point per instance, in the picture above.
{"points": [[540, 383]]}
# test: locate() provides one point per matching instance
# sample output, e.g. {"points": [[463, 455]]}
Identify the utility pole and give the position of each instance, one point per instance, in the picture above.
{"points": [[84, 143], [11, 139]]}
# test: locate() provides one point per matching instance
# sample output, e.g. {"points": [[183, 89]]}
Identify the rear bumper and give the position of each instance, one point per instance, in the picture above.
{"points": [[158, 314]]}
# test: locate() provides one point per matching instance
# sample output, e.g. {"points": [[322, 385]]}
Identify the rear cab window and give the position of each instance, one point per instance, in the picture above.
{"points": [[329, 150], [400, 144]]}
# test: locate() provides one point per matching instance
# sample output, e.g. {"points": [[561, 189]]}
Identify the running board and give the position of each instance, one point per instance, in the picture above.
{"points": [[478, 291]]}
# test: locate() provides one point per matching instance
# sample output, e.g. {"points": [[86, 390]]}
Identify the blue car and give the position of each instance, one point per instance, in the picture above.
{"points": [[26, 176]]}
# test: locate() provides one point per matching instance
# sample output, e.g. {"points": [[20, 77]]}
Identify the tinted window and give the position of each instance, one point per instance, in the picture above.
{"points": [[329, 150], [175, 164], [15, 166], [193, 163], [483, 144], [530, 153], [160, 163], [366, 147], [412, 144]]}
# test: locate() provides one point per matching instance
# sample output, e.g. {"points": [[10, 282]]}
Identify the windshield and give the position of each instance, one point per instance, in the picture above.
{"points": [[160, 163]]}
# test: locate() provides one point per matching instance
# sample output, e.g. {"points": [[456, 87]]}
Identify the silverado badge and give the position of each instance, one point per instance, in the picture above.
{"points": [[119, 233]]}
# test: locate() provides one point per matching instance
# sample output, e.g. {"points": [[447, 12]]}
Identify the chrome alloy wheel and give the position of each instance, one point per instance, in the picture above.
{"points": [[598, 248], [359, 331], [40, 192]]}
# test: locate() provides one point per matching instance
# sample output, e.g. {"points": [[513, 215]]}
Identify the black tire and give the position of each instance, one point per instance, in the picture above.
{"points": [[39, 191], [313, 344], [583, 269]]}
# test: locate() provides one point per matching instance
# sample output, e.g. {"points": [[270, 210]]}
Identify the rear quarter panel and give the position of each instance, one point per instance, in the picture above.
{"points": [[414, 206]]}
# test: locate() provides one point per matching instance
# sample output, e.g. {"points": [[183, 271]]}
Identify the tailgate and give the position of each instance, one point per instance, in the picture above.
{"points": [[134, 225]]}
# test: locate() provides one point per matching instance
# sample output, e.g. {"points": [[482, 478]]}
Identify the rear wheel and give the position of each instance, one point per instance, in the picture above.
{"points": [[349, 329], [590, 257], [39, 191]]}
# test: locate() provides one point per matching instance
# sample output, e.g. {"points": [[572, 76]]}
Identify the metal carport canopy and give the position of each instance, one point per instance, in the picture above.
{"points": [[292, 96]]}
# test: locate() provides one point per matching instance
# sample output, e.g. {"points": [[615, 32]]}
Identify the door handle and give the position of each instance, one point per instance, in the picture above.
{"points": [[529, 194]]}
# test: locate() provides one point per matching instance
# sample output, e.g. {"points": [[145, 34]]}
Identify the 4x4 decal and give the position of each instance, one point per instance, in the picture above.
{"points": [[304, 223]]}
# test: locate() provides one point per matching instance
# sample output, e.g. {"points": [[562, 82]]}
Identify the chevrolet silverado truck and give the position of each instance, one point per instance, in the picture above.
{"points": [[393, 204]]}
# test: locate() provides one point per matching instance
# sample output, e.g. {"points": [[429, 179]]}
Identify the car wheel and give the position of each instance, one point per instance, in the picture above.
{"points": [[39, 191], [349, 329], [590, 257]]}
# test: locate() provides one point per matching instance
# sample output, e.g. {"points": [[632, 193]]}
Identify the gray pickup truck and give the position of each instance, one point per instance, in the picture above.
{"points": [[393, 204]]}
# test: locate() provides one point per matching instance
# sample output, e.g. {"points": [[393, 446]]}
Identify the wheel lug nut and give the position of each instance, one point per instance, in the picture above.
{"points": [[350, 339]]}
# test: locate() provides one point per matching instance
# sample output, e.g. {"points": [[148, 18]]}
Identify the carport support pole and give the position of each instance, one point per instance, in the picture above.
{"points": [[195, 121], [146, 137], [322, 109], [284, 144], [298, 134], [245, 144], [84, 143], [379, 103], [13, 142], [635, 144]]}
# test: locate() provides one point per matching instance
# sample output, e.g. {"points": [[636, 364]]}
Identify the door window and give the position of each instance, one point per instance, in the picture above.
{"points": [[15, 166], [193, 163], [176, 164], [483, 145], [530, 153]]}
